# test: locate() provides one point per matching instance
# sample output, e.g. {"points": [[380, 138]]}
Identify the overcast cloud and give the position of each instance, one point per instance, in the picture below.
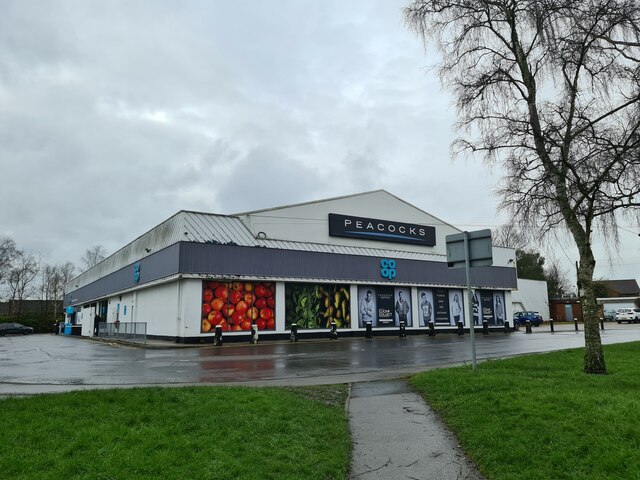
{"points": [[115, 115]]}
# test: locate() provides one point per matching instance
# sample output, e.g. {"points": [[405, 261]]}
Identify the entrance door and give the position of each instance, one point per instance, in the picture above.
{"points": [[568, 313]]}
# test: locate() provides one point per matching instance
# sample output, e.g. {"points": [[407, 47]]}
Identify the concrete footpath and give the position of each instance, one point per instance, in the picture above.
{"points": [[396, 435]]}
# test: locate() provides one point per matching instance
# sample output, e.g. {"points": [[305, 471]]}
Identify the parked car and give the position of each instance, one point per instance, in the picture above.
{"points": [[609, 315], [521, 318], [631, 315], [16, 328]]}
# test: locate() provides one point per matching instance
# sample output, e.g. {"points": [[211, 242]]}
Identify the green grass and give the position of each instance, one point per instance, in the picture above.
{"points": [[177, 433], [540, 417]]}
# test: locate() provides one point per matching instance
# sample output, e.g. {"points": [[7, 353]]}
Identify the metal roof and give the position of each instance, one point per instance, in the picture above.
{"points": [[218, 229]]}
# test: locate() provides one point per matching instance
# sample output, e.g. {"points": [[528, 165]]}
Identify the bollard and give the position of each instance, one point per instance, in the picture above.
{"points": [[217, 340], [460, 328], [551, 325], [432, 329], [369, 333], [601, 323], [507, 327], [402, 332], [485, 327], [528, 326], [254, 334], [294, 332], [575, 323], [333, 333]]}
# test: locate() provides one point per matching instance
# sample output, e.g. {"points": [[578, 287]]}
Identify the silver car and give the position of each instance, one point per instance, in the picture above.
{"points": [[631, 315]]}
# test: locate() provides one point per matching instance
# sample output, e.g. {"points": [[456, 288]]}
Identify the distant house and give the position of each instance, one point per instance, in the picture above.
{"points": [[620, 294], [621, 288]]}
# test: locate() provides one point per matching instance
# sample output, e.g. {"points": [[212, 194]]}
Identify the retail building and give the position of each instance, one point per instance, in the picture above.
{"points": [[368, 257]]}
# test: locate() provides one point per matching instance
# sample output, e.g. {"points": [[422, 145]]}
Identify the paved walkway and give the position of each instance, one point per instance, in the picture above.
{"points": [[396, 435]]}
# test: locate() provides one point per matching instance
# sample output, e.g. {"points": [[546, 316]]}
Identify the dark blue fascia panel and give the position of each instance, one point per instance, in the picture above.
{"points": [[231, 260], [154, 267], [198, 258]]}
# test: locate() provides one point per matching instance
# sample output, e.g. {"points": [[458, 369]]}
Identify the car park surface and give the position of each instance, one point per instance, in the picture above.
{"points": [[52, 363]]}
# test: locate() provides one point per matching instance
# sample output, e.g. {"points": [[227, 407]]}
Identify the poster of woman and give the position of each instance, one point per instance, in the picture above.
{"points": [[498, 307], [455, 307]]}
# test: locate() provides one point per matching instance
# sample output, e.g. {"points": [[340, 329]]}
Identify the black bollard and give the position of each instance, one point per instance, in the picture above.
{"points": [[601, 323], [575, 323], [507, 327], [402, 331], [217, 340], [432, 329], [333, 333], [294, 332], [485, 327], [254, 334], [551, 325], [369, 331], [460, 328], [528, 326]]}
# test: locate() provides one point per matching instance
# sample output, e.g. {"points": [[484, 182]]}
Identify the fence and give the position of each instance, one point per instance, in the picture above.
{"points": [[128, 331]]}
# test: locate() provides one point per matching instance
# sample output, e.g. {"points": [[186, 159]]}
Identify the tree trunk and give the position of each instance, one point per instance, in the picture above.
{"points": [[593, 353]]}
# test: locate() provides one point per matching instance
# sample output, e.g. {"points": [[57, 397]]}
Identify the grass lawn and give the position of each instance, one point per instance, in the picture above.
{"points": [[540, 417], [177, 433]]}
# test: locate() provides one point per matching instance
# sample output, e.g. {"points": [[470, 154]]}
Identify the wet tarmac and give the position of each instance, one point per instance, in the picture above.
{"points": [[50, 363]]}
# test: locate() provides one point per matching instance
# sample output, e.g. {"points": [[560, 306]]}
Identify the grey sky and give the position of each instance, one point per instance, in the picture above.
{"points": [[115, 115]]}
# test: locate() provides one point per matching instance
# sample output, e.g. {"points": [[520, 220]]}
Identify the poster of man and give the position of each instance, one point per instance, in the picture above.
{"points": [[425, 301], [367, 307], [402, 307]]}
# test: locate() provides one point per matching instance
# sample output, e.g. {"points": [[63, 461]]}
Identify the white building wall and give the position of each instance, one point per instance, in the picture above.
{"points": [[310, 222], [158, 306], [531, 295], [188, 322]]}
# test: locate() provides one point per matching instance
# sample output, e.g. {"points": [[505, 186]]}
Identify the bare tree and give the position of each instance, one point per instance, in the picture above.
{"points": [[8, 254], [509, 236], [550, 90], [558, 284], [93, 256], [54, 278], [21, 281]]}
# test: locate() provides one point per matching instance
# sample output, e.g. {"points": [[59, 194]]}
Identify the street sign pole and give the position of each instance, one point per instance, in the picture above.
{"points": [[469, 301], [470, 249]]}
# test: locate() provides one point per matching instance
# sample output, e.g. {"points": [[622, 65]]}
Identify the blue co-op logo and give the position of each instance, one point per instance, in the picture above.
{"points": [[136, 272], [388, 268]]}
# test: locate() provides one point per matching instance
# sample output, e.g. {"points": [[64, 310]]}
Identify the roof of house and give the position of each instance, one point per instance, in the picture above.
{"points": [[623, 288]]}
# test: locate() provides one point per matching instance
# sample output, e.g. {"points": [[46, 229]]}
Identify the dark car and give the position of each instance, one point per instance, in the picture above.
{"points": [[16, 328], [521, 318]]}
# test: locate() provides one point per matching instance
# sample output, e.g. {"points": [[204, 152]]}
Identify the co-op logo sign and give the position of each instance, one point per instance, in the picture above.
{"points": [[388, 268], [382, 230]]}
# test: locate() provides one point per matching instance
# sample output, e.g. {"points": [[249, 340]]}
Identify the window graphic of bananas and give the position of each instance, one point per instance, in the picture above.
{"points": [[316, 306]]}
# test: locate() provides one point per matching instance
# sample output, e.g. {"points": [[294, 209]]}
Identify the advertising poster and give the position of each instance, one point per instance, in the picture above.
{"points": [[386, 306], [311, 305], [403, 306], [425, 302], [486, 302], [441, 306], [235, 305], [475, 301], [498, 307], [456, 307], [367, 309]]}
